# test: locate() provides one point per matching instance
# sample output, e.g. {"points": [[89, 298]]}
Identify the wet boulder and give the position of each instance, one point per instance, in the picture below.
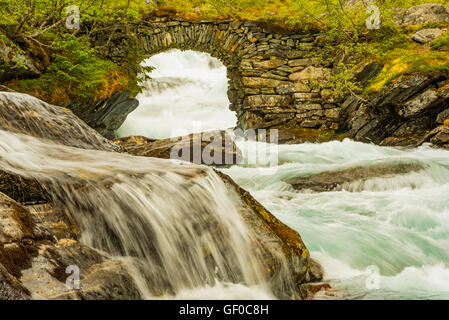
{"points": [[22, 113]]}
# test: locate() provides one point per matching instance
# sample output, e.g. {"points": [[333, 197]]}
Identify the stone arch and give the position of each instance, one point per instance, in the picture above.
{"points": [[157, 37], [272, 82]]}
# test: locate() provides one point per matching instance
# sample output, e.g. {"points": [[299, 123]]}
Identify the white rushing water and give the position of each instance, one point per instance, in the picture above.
{"points": [[187, 93], [398, 225]]}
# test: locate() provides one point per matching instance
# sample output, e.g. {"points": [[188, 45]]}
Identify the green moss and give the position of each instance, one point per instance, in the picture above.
{"points": [[408, 60], [75, 70]]}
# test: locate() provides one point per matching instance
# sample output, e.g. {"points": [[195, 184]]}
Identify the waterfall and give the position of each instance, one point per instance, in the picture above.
{"points": [[177, 225], [175, 220]]}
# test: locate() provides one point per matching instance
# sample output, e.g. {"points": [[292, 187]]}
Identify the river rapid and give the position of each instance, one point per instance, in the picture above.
{"points": [[384, 238]]}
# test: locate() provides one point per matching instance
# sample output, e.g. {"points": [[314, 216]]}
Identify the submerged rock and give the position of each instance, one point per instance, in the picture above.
{"points": [[217, 148], [340, 180]]}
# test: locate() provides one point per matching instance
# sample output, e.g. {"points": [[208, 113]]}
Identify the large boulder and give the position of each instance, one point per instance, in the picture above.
{"points": [[424, 13], [210, 148], [22, 113]]}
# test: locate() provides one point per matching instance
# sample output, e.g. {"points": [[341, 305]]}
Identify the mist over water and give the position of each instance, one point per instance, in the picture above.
{"points": [[187, 93]]}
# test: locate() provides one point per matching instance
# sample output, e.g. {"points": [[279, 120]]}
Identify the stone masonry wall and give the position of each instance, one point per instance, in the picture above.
{"points": [[272, 78]]}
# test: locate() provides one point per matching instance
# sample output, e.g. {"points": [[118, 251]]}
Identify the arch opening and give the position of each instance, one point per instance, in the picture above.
{"points": [[187, 93]]}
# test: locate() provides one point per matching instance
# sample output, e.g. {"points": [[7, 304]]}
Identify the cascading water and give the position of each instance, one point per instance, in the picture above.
{"points": [[174, 221], [398, 225], [175, 224], [187, 93]]}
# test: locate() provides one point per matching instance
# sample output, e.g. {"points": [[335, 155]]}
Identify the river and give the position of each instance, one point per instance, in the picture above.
{"points": [[385, 238]]}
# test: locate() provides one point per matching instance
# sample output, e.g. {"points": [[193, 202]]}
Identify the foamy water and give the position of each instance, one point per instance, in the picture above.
{"points": [[398, 225]]}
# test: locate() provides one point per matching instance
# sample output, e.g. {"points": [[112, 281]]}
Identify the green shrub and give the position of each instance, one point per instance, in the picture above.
{"points": [[441, 43]]}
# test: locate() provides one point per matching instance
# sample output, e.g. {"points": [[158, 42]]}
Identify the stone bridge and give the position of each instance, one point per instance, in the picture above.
{"points": [[273, 81]]}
